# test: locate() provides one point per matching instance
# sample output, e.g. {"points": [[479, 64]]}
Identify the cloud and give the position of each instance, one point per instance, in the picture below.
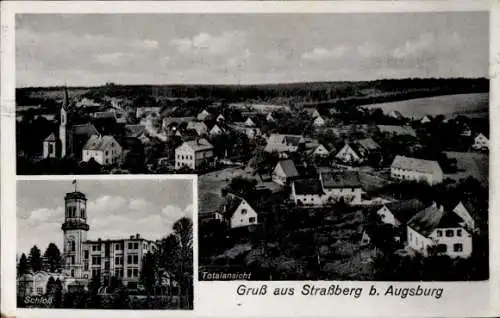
{"points": [[147, 44], [239, 61], [115, 58], [321, 53], [43, 214], [414, 47], [106, 204], [210, 44], [164, 60]]}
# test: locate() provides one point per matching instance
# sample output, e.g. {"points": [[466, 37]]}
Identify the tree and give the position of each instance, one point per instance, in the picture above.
{"points": [[35, 259], [51, 286], [149, 272], [52, 258], [22, 266]]}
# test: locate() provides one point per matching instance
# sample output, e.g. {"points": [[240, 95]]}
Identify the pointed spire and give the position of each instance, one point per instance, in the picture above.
{"points": [[65, 103]]}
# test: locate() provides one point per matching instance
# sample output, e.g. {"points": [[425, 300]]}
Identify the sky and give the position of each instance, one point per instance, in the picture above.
{"points": [[115, 209], [92, 49]]}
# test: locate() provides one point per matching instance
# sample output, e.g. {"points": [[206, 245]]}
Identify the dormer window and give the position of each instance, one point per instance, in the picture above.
{"points": [[244, 211]]}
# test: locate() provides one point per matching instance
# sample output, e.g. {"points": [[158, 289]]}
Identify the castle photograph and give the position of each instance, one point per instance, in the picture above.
{"points": [[116, 243]]}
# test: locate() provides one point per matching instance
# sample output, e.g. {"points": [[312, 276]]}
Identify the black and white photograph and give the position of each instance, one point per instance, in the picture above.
{"points": [[329, 146], [105, 243]]}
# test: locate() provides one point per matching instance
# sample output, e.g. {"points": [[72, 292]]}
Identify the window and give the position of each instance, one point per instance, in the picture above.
{"points": [[459, 232], [106, 265], [457, 247], [118, 246], [96, 248], [439, 233], [39, 290], [72, 273], [129, 272], [107, 152], [96, 272], [119, 272], [251, 220], [135, 272], [82, 212], [73, 246], [129, 259], [86, 266], [96, 260], [244, 211], [86, 254], [136, 259], [72, 259], [441, 248], [136, 246], [449, 233], [51, 148]]}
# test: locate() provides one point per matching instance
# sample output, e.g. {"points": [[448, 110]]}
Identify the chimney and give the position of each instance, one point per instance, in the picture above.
{"points": [[131, 237], [434, 205], [137, 236]]}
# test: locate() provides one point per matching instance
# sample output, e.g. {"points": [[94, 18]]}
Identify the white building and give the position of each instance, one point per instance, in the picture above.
{"points": [[203, 115], [319, 121], [50, 147], [237, 212], [319, 151], [216, 130], [349, 154], [199, 127], [481, 142], [341, 185], [413, 169], [284, 172], [307, 192], [249, 122], [464, 213], [434, 230], [104, 149], [193, 153], [397, 213]]}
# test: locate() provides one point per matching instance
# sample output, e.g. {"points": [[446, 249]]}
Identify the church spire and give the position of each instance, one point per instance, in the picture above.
{"points": [[65, 103]]}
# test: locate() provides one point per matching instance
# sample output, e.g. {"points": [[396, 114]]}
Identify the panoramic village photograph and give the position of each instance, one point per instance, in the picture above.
{"points": [[105, 244], [327, 146]]}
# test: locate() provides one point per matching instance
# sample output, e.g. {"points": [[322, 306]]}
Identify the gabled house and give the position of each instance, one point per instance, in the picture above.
{"points": [[216, 130], [284, 143], [414, 169], [426, 119], [307, 192], [463, 210], [341, 185], [398, 213], [138, 132], [193, 154], [249, 122], [481, 142], [269, 118], [318, 150], [220, 119], [319, 121], [349, 154], [312, 112], [237, 212], [250, 132], [435, 230], [284, 172], [51, 147], [199, 127], [105, 150], [203, 115]]}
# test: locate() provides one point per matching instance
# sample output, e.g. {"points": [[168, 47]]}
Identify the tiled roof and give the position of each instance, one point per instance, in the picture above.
{"points": [[308, 186], [199, 144], [289, 168], [340, 179], [134, 130], [431, 218], [231, 203], [99, 143], [414, 164], [368, 144], [406, 209], [85, 129]]}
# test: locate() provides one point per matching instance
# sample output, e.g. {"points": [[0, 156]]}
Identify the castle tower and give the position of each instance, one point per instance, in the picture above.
{"points": [[75, 229], [63, 123]]}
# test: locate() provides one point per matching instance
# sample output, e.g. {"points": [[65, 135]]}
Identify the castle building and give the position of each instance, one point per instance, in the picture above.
{"points": [[84, 259]]}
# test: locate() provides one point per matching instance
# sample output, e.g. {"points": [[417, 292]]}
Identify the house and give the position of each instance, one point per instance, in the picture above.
{"points": [[194, 153], [481, 142], [426, 119], [341, 185], [199, 127], [203, 115], [269, 118], [51, 147], [413, 169], [87, 102], [349, 154], [173, 123], [319, 151], [396, 115], [216, 130], [284, 143], [237, 212], [220, 119], [138, 132], [394, 130], [318, 121], [436, 230], [307, 192], [105, 150], [397, 213], [463, 211], [365, 239], [284, 172], [249, 122], [146, 111], [312, 112], [250, 132]]}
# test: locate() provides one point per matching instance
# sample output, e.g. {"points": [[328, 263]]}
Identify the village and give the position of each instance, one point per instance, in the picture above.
{"points": [[287, 191]]}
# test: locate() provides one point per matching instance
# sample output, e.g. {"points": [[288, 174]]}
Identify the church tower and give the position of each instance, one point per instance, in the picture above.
{"points": [[75, 229], [63, 123]]}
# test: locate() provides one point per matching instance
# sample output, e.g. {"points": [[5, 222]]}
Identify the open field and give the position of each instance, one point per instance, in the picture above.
{"points": [[471, 164], [461, 104]]}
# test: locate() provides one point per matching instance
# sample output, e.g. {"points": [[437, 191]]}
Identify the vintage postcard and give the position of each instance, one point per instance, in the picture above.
{"points": [[334, 158]]}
